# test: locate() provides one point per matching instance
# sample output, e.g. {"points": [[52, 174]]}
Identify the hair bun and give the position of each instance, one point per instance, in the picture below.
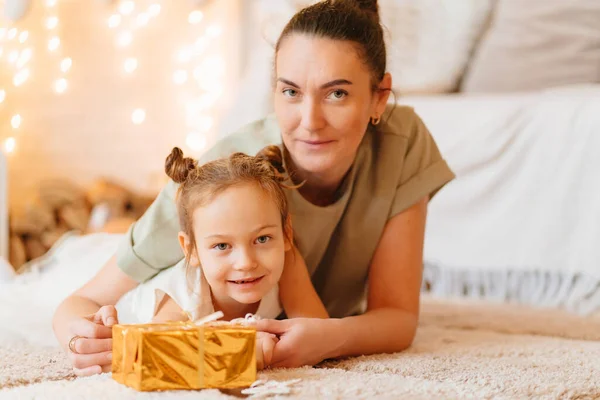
{"points": [[178, 167], [274, 156], [368, 5]]}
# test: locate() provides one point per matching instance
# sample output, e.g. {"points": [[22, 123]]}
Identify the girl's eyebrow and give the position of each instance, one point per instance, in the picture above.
{"points": [[223, 236], [335, 82]]}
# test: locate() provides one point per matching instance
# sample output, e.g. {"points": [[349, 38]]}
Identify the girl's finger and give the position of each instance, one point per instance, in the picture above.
{"points": [[85, 345], [82, 361], [86, 328], [108, 315]]}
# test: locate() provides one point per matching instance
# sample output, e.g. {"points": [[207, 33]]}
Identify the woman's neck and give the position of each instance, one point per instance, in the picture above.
{"points": [[232, 309]]}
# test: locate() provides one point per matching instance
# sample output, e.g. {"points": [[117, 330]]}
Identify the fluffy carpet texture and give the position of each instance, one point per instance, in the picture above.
{"points": [[462, 350]]}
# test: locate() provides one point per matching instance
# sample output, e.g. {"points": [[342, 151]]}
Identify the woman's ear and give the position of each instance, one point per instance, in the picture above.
{"points": [[383, 94], [189, 248], [289, 234]]}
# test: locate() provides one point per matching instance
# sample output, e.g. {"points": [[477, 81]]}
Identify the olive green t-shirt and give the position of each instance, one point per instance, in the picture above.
{"points": [[397, 164]]}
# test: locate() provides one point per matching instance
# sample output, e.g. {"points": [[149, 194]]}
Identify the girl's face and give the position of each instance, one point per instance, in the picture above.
{"points": [[323, 101], [241, 244]]}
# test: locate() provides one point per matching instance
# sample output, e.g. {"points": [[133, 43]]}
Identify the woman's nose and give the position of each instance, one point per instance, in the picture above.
{"points": [[312, 116]]}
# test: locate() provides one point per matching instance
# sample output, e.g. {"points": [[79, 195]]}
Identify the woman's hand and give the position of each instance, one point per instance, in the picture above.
{"points": [[90, 345], [302, 341]]}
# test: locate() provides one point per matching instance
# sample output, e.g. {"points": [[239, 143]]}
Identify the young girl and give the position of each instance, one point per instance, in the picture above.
{"points": [[236, 235]]}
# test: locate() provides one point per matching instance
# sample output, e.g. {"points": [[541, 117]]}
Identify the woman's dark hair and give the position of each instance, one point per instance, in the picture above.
{"points": [[355, 21]]}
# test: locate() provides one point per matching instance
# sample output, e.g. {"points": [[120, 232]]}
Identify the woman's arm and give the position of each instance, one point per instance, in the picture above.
{"points": [[80, 314], [390, 323], [296, 291]]}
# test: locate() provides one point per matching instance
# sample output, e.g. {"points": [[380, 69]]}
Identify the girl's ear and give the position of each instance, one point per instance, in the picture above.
{"points": [[188, 248], [289, 234]]}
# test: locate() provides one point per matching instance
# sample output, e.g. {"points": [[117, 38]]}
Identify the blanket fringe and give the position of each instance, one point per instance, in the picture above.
{"points": [[576, 292]]}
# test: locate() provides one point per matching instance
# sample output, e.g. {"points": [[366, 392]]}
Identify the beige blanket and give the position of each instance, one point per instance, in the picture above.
{"points": [[462, 350]]}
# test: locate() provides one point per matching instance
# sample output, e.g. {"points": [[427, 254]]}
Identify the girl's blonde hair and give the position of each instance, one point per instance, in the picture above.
{"points": [[199, 184]]}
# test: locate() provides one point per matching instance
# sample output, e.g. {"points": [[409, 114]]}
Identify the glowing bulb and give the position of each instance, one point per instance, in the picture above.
{"points": [[126, 7], [23, 36], [53, 43], [2, 95], [180, 76], [154, 10], [15, 121], [2, 33], [12, 33], [24, 57], [50, 3], [195, 17], [130, 65], [214, 31], [13, 56], [142, 19], [10, 144], [195, 141], [65, 64], [201, 44], [185, 55], [21, 77], [1, 51], [124, 39], [138, 116], [114, 21], [60, 85], [51, 22]]}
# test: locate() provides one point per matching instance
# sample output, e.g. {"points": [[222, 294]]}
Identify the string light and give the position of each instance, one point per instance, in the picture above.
{"points": [[138, 116], [15, 121], [23, 36], [195, 17], [114, 21], [124, 39], [10, 144], [142, 19], [21, 77], [51, 22], [154, 10], [50, 3], [65, 64], [53, 43], [60, 85], [24, 57], [126, 7], [13, 56], [2, 95], [130, 65]]}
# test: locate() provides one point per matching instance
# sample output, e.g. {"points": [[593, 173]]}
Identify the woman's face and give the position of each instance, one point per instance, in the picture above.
{"points": [[323, 102]]}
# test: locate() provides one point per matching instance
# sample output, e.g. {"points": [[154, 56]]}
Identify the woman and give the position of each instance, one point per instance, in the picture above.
{"points": [[368, 174]]}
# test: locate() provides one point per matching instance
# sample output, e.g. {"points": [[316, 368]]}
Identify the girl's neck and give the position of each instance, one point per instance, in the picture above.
{"points": [[232, 309]]}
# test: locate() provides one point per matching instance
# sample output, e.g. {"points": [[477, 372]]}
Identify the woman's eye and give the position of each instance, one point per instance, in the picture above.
{"points": [[338, 94], [221, 246], [290, 92], [263, 239]]}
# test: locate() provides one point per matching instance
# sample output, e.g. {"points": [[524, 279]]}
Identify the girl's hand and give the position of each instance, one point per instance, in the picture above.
{"points": [[90, 346], [265, 343]]}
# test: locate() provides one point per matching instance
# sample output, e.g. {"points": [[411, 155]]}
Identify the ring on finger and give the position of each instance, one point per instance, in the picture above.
{"points": [[72, 344]]}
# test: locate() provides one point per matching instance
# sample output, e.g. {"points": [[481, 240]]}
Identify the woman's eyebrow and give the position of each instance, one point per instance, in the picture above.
{"points": [[335, 82]]}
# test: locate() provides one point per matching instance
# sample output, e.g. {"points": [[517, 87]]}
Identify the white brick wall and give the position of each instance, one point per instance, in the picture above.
{"points": [[87, 132]]}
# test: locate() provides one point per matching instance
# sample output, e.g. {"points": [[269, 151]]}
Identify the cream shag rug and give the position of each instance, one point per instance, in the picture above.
{"points": [[462, 350]]}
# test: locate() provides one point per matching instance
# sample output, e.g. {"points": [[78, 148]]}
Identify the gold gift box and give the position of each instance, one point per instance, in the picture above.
{"points": [[172, 356]]}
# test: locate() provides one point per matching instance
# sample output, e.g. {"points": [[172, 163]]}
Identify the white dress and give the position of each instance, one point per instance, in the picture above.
{"points": [[139, 305]]}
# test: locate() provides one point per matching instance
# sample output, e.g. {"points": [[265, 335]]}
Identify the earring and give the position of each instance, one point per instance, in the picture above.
{"points": [[375, 121]]}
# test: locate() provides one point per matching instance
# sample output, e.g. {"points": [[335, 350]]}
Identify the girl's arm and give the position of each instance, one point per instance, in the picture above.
{"points": [[296, 291], [169, 311]]}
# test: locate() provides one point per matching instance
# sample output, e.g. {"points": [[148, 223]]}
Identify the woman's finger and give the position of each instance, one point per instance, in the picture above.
{"points": [[82, 361], [85, 345], [107, 368], [107, 315], [86, 328], [93, 370]]}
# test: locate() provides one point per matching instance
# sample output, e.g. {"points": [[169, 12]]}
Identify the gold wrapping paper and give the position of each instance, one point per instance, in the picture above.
{"points": [[178, 355]]}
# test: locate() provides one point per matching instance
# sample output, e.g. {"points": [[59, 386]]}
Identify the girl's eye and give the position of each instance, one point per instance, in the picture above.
{"points": [[290, 92], [338, 94], [263, 239], [221, 246]]}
